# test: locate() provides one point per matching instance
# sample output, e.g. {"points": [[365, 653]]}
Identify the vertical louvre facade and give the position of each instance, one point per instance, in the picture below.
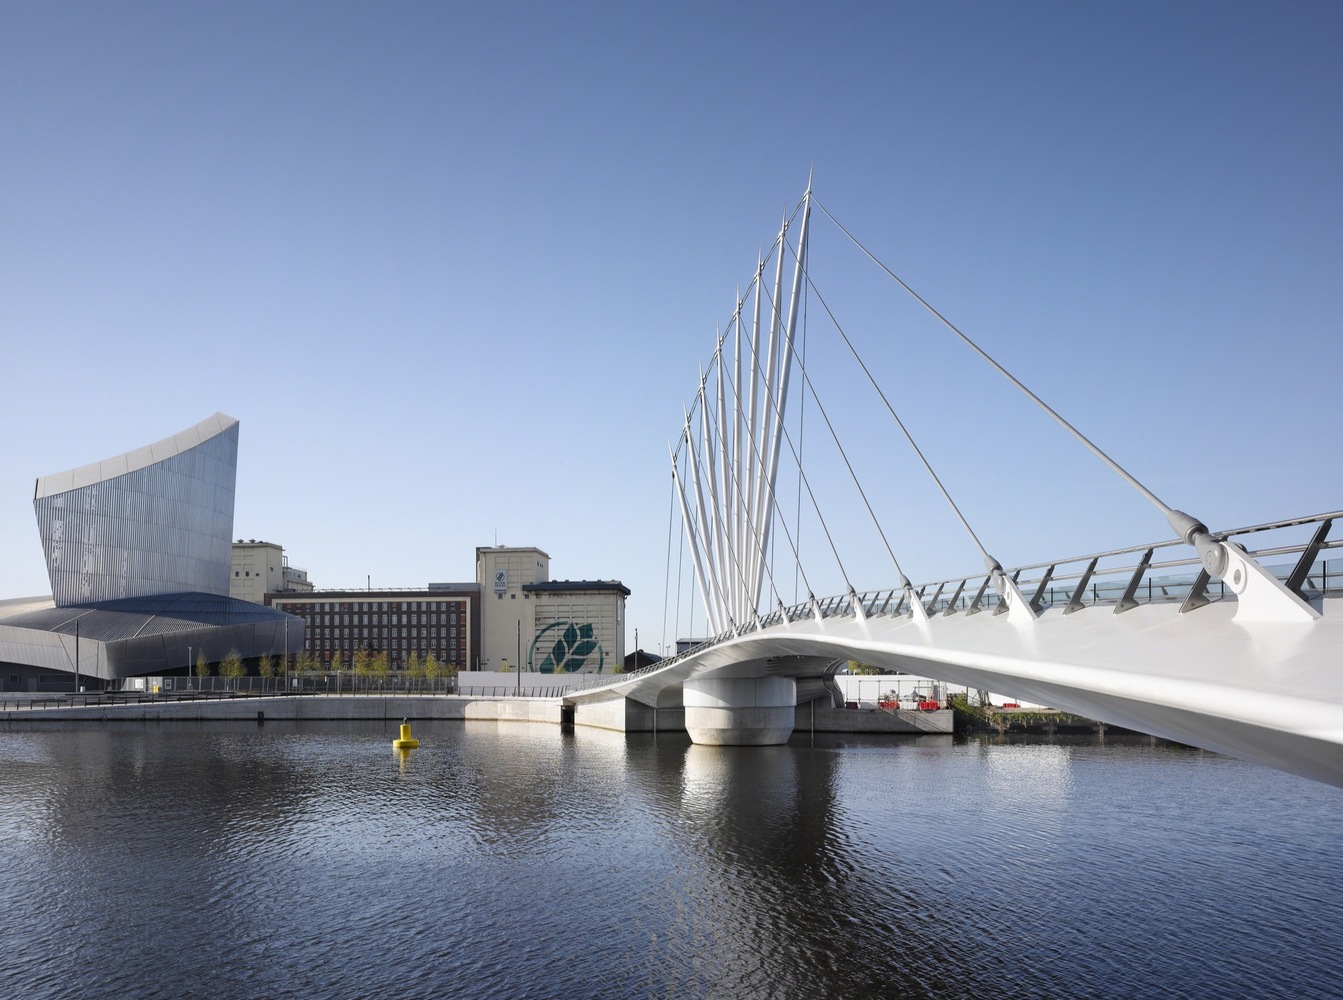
{"points": [[158, 520]]}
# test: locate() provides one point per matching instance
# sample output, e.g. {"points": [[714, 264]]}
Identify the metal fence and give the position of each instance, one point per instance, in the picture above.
{"points": [[11, 703], [311, 682], [160, 689]]}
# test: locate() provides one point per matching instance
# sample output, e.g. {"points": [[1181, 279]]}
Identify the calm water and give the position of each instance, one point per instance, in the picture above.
{"points": [[511, 861]]}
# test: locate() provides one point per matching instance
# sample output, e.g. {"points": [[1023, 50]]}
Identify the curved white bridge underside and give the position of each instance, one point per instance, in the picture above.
{"points": [[1268, 692]]}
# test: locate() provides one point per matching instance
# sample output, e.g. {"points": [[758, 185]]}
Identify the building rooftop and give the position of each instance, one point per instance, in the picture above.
{"points": [[131, 617], [378, 592], [561, 585]]}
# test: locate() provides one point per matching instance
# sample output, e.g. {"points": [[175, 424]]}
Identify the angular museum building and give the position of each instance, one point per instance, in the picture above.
{"points": [[138, 549]]}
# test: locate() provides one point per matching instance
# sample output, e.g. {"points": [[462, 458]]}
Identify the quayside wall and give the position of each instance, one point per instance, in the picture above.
{"points": [[624, 715]]}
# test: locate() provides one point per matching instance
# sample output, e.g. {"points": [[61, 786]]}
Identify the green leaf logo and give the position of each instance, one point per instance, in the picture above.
{"points": [[570, 652]]}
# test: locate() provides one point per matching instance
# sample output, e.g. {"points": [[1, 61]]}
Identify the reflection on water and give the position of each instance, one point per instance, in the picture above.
{"points": [[511, 860]]}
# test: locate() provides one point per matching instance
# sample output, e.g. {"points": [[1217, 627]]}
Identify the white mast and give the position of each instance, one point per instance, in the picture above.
{"points": [[786, 367], [737, 464], [700, 578], [752, 408], [768, 405]]}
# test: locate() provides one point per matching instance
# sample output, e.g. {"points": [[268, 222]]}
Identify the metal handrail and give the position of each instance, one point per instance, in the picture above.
{"points": [[893, 602]]}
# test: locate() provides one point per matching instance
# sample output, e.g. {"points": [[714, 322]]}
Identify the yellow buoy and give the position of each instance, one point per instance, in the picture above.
{"points": [[406, 742]]}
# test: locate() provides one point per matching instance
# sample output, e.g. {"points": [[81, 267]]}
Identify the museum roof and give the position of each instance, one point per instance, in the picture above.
{"points": [[110, 621], [131, 461]]}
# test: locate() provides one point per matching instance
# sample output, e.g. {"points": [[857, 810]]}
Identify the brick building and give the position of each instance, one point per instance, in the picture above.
{"points": [[443, 619]]}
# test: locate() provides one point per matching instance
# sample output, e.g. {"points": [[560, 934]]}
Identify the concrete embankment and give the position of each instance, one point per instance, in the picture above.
{"points": [[871, 720], [304, 707], [621, 717]]}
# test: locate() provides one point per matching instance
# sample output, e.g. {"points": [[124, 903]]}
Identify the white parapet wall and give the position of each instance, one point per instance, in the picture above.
{"points": [[495, 683]]}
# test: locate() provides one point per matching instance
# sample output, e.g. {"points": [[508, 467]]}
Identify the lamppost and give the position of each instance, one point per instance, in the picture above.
{"points": [[189, 661]]}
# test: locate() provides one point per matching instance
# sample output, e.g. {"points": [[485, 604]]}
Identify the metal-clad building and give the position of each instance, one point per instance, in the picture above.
{"points": [[157, 520], [138, 550]]}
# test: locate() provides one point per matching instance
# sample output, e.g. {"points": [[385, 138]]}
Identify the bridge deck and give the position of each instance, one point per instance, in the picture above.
{"points": [[1269, 692]]}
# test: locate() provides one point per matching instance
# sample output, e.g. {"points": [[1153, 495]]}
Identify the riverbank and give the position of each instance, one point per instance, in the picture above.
{"points": [[1034, 721]]}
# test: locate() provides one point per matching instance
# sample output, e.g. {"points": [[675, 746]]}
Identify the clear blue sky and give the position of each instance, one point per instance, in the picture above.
{"points": [[455, 266]]}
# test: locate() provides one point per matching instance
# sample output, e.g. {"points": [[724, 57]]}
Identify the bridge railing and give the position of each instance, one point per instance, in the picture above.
{"points": [[1122, 578], [1134, 575]]}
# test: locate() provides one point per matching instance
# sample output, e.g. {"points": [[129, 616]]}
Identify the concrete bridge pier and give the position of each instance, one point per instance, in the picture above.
{"points": [[740, 711]]}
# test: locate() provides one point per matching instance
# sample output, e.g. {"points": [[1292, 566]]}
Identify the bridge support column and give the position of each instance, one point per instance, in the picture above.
{"points": [[740, 711]]}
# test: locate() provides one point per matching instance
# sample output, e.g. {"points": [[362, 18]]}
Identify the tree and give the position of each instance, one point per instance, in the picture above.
{"points": [[436, 670], [306, 663], [414, 668], [362, 662], [337, 662], [379, 665], [265, 668], [232, 666], [432, 667], [202, 665], [863, 668]]}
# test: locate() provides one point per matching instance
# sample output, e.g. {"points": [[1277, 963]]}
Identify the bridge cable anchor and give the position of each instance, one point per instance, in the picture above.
{"points": [[916, 608], [858, 611], [1260, 596], [1018, 609]]}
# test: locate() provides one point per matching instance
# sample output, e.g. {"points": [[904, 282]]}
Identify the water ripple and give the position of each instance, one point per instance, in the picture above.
{"points": [[311, 860]]}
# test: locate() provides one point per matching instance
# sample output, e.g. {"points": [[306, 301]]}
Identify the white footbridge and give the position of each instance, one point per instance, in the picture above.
{"points": [[1226, 639]]}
